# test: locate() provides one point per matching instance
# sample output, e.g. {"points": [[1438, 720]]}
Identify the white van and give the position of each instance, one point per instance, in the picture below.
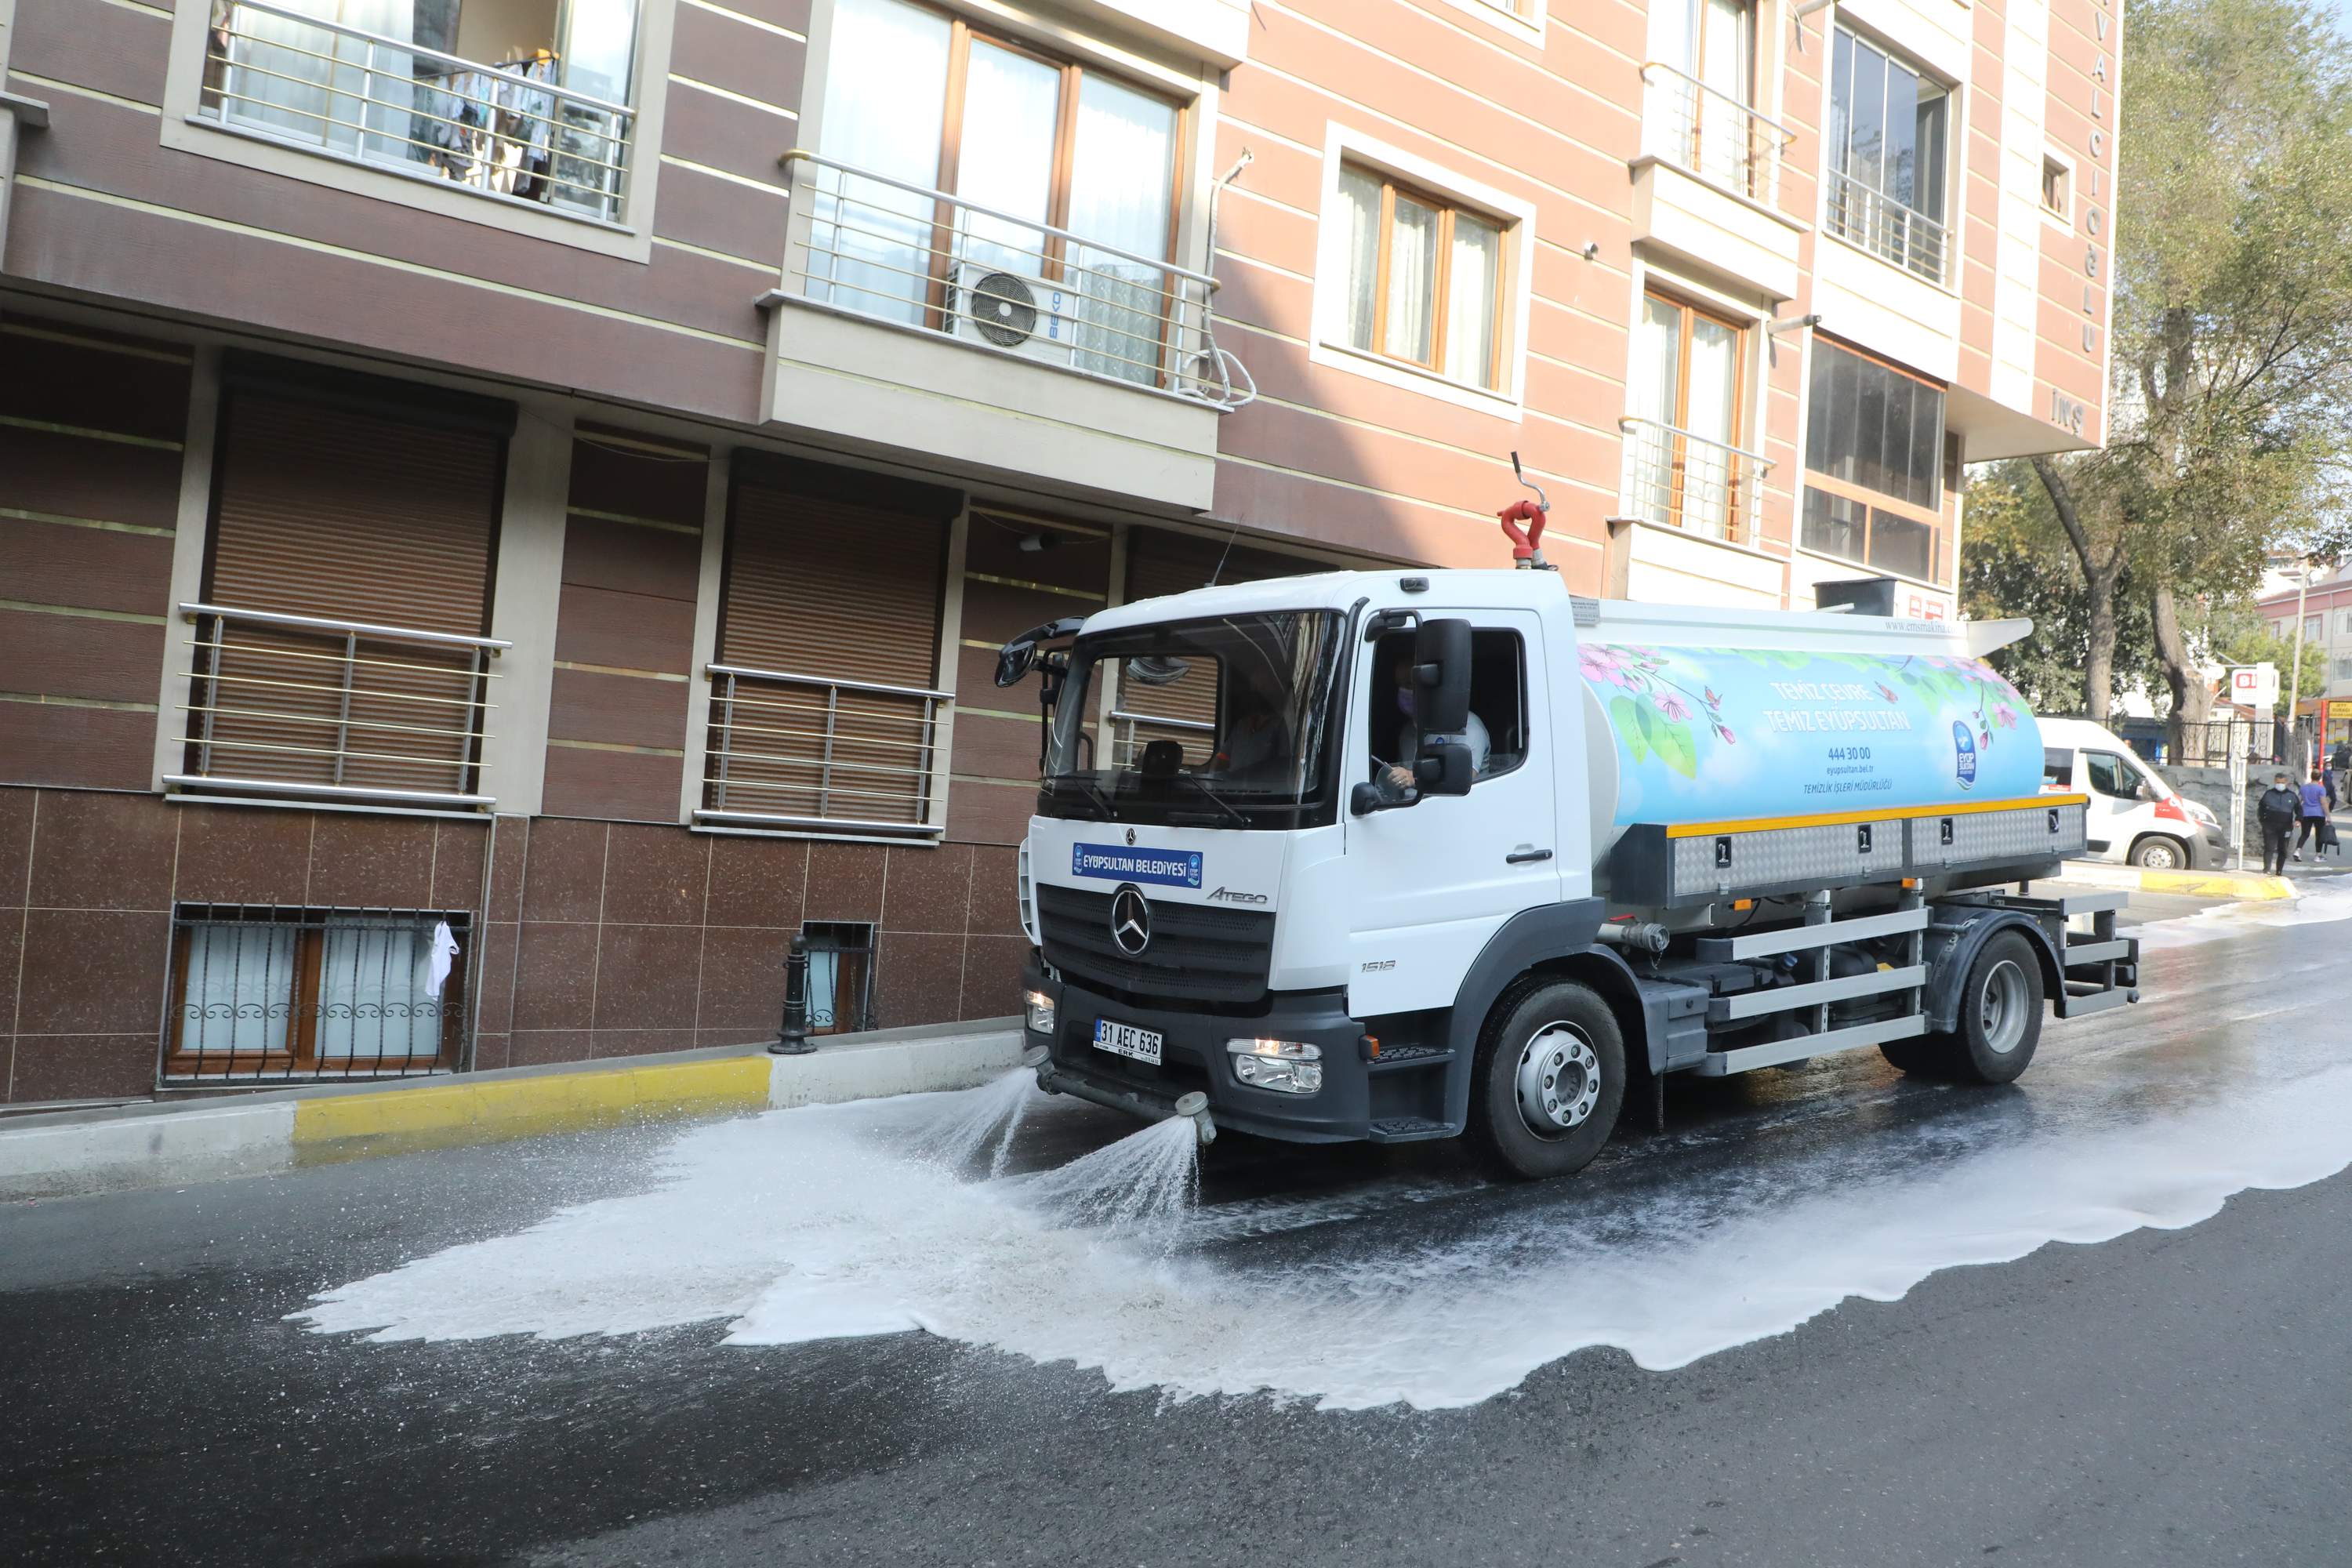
{"points": [[2134, 815]]}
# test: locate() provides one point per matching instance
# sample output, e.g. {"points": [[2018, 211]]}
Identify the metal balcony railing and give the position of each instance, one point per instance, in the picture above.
{"points": [[1711, 133], [1130, 732], [507, 130], [808, 753], [1887, 228], [308, 707], [1690, 481], [880, 248]]}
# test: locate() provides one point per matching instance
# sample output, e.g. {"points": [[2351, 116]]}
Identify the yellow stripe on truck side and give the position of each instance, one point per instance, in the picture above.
{"points": [[435, 1115], [1838, 819]]}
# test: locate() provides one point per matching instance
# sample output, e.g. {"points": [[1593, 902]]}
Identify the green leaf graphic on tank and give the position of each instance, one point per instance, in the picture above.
{"points": [[1707, 733]]}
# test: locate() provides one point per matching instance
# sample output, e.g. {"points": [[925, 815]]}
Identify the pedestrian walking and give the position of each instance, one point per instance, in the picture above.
{"points": [[2317, 800], [2277, 811]]}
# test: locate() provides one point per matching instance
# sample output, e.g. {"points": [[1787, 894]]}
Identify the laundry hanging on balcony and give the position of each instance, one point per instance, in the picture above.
{"points": [[492, 131]]}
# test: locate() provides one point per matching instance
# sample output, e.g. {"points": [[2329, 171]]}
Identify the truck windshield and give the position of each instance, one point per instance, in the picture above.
{"points": [[1222, 722]]}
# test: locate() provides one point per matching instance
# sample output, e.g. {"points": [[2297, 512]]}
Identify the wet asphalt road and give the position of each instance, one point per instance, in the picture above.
{"points": [[2177, 1397]]}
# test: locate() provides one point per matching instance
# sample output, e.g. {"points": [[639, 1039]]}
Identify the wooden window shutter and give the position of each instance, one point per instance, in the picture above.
{"points": [[823, 585], [819, 586], [326, 508]]}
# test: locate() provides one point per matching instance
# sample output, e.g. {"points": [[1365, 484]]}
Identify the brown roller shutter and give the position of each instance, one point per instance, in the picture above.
{"points": [[329, 509], [827, 587], [1160, 564], [817, 586]]}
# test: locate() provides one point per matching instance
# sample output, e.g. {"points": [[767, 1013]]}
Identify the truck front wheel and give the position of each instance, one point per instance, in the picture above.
{"points": [[1549, 1080]]}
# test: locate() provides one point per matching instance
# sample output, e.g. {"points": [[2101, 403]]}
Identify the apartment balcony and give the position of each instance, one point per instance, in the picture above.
{"points": [[1883, 284], [334, 713], [808, 754], [1012, 345], [1702, 503], [1707, 184], [1676, 478], [1887, 228], [509, 131]]}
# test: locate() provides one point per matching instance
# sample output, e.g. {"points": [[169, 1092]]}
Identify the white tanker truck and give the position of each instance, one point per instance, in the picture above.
{"points": [[1408, 855]]}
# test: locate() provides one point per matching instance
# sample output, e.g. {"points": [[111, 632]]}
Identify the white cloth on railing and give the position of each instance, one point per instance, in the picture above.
{"points": [[444, 950]]}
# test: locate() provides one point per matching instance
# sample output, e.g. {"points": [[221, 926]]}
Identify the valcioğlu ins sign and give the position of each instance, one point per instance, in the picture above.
{"points": [[2064, 411]]}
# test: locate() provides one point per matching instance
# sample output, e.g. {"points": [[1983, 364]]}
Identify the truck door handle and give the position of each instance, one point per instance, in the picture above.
{"points": [[1522, 857]]}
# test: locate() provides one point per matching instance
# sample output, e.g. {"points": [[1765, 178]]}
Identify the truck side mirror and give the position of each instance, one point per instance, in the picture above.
{"points": [[1441, 659], [1443, 767]]}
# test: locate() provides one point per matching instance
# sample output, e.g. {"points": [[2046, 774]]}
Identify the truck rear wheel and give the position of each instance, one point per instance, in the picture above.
{"points": [[1549, 1080], [1999, 1019]]}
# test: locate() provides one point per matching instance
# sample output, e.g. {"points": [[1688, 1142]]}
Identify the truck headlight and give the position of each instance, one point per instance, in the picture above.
{"points": [[1286, 1067], [1042, 1011]]}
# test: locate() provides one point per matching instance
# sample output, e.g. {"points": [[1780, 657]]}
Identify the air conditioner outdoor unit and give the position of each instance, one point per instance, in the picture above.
{"points": [[1014, 311]]}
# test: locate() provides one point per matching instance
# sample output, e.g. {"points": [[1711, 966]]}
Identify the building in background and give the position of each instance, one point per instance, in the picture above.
{"points": [[507, 506], [2326, 603]]}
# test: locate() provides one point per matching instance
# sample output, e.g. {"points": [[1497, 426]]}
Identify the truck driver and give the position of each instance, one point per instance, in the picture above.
{"points": [[1393, 722]]}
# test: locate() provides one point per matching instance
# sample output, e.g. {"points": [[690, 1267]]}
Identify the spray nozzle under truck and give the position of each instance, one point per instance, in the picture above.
{"points": [[1403, 854]]}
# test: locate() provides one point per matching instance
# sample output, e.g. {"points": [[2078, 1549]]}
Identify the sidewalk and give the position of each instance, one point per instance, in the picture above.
{"points": [[152, 1144]]}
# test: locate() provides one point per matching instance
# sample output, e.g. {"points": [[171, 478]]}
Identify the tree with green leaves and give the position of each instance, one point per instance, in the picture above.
{"points": [[2231, 403], [2018, 562]]}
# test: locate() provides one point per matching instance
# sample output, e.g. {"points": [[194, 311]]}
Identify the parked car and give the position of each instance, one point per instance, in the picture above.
{"points": [[2134, 815]]}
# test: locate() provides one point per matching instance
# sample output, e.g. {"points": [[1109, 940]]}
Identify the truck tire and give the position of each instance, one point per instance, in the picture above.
{"points": [[1549, 1080], [1999, 1020], [2159, 852]]}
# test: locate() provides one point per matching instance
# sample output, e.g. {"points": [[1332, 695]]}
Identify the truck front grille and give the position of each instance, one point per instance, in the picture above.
{"points": [[1196, 954]]}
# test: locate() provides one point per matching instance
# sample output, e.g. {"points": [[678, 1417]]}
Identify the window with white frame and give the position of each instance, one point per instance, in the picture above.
{"points": [[527, 99], [1699, 102], [1527, 16], [1885, 148], [2057, 187], [1426, 281], [1042, 148]]}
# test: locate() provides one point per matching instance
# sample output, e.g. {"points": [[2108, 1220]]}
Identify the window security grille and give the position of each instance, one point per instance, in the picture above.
{"points": [[841, 976], [261, 991]]}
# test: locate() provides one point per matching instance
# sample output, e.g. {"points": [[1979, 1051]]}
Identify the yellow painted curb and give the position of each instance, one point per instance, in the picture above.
{"points": [[2217, 884], [443, 1114]]}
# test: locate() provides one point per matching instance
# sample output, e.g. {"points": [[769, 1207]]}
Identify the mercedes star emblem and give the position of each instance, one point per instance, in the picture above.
{"points": [[1130, 837], [1130, 921]]}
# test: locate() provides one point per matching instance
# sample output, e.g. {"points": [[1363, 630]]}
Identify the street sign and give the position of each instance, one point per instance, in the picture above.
{"points": [[2254, 685]]}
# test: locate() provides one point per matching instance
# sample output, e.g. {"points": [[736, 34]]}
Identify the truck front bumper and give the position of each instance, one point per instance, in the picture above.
{"points": [[1193, 1057]]}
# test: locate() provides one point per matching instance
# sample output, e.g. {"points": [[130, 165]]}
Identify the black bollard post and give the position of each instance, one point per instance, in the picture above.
{"points": [[792, 1039]]}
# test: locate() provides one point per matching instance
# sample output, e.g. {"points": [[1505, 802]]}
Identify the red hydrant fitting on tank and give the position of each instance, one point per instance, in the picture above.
{"points": [[1527, 543]]}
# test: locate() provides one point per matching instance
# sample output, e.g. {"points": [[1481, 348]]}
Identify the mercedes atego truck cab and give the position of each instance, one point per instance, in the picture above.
{"points": [[1406, 854]]}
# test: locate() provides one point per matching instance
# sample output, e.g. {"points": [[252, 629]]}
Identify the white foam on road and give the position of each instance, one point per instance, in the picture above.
{"points": [[819, 1223]]}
